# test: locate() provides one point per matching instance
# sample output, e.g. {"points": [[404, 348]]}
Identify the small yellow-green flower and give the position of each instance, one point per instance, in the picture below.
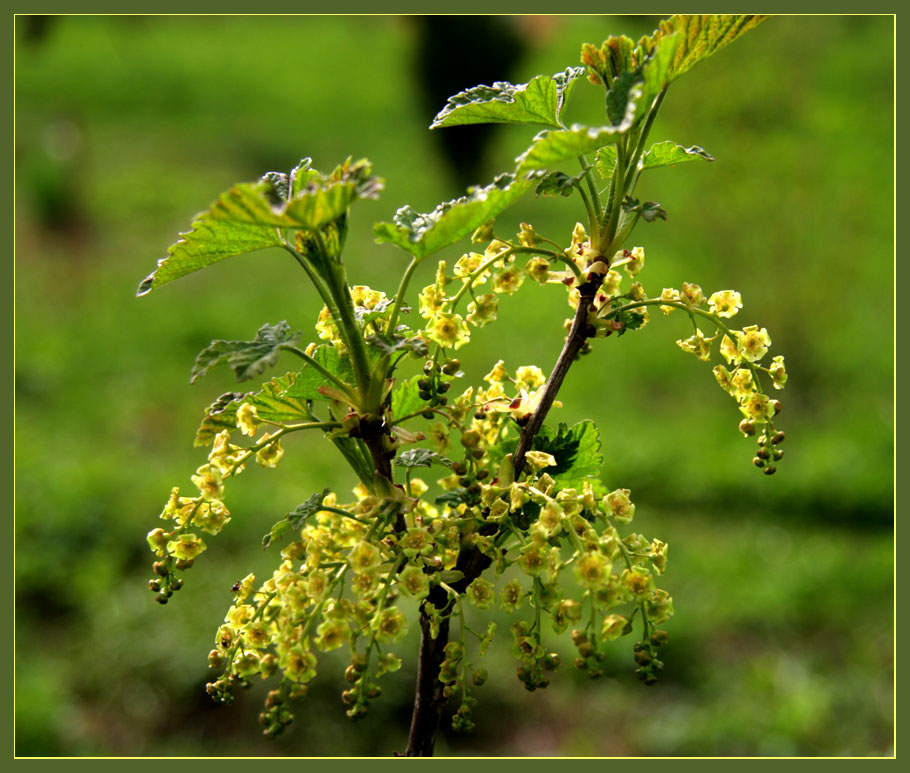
{"points": [[364, 558], [613, 626], [270, 455], [212, 516], [331, 634], [246, 664], [532, 559], [636, 261], [757, 407], [729, 350], [778, 372], [538, 269], [247, 419], [698, 345], [527, 236], [483, 309], [550, 518], [724, 377], [669, 294], [725, 303], [367, 298], [592, 570], [467, 264], [480, 593], [637, 581], [416, 542], [497, 375], [448, 330], [620, 505], [511, 595], [538, 459], [256, 635], [414, 582], [170, 507], [508, 280], [186, 547], [390, 625], [753, 343], [208, 481], [529, 377], [692, 294], [742, 382], [298, 663], [158, 539], [657, 552], [429, 302], [659, 607]]}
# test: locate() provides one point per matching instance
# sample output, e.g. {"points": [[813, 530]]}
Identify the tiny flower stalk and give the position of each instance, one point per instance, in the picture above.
{"points": [[489, 484]]}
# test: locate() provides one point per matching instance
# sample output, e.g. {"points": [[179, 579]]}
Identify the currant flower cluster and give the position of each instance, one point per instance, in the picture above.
{"points": [[177, 547]]}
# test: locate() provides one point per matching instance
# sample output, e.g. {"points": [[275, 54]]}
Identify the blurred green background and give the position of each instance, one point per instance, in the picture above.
{"points": [[127, 126]]}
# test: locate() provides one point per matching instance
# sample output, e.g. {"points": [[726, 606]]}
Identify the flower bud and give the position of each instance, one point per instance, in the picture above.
{"points": [[747, 428], [778, 437]]}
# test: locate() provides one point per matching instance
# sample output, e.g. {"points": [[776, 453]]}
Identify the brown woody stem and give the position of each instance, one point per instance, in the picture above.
{"points": [[578, 334], [429, 700]]}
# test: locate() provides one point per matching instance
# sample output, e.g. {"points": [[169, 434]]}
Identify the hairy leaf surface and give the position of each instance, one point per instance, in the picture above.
{"points": [[539, 101], [423, 234], [246, 358], [555, 147], [669, 153], [702, 36], [250, 216]]}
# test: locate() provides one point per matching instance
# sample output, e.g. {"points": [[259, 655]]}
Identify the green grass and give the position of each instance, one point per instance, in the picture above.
{"points": [[127, 126]]}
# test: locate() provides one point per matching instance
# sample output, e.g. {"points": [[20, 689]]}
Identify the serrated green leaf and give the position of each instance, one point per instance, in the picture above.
{"points": [[655, 69], [305, 385], [555, 147], [421, 457], [246, 358], [240, 221], [296, 519], [248, 217], [702, 36], [406, 398], [539, 101], [275, 403], [577, 454], [423, 234], [668, 153]]}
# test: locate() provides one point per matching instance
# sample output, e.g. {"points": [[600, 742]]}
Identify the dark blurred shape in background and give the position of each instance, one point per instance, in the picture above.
{"points": [[455, 53]]}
